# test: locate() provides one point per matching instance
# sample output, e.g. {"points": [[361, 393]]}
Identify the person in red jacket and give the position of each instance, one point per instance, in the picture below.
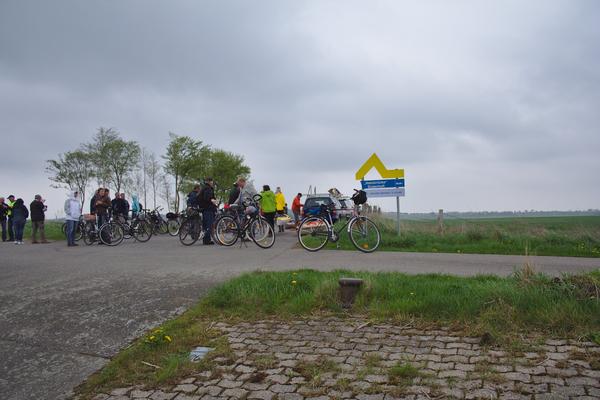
{"points": [[297, 209]]}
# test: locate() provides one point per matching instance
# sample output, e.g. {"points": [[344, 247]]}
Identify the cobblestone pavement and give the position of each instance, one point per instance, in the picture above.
{"points": [[349, 359]]}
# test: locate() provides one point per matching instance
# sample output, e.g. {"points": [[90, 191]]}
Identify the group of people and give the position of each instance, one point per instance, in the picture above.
{"points": [[14, 215]]}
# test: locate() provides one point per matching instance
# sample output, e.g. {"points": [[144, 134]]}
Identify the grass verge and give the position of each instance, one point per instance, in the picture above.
{"points": [[495, 308], [543, 236]]}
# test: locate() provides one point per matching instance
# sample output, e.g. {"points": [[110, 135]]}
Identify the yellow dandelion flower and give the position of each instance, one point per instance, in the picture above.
{"points": [[152, 337], [294, 282], [168, 338]]}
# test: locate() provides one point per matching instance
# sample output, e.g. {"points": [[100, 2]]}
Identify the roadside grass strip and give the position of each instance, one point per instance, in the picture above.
{"points": [[542, 236], [500, 311]]}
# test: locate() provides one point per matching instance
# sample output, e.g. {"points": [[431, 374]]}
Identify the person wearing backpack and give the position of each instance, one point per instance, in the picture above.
{"points": [[192, 197], [208, 203]]}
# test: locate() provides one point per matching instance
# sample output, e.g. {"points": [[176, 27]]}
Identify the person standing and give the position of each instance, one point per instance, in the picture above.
{"points": [[234, 193], [102, 206], [280, 207], [93, 201], [208, 203], [38, 209], [125, 206], [10, 202], [268, 205], [297, 209], [136, 207], [72, 212], [3, 212], [19, 217]]}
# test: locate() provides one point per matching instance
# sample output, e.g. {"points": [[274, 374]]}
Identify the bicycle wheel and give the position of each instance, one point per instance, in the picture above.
{"points": [[63, 228], [89, 234], [227, 230], [173, 227], [79, 230], [127, 231], [111, 234], [162, 227], [364, 234], [262, 233], [141, 230], [190, 231], [313, 233]]}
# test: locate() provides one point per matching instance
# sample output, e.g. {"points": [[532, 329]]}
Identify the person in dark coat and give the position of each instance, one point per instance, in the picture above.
{"points": [[208, 203], [93, 202], [3, 212], [19, 217], [38, 209]]}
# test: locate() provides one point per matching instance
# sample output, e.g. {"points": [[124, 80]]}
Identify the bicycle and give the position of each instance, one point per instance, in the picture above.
{"points": [[229, 229], [191, 227], [159, 226], [138, 228], [316, 231], [110, 233], [174, 221]]}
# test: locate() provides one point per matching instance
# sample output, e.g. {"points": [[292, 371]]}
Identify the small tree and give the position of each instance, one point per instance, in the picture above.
{"points": [[153, 170], [113, 157], [72, 170], [225, 167], [183, 161]]}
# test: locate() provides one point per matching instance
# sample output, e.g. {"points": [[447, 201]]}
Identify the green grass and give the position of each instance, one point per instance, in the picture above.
{"points": [[498, 309], [547, 236], [52, 228], [402, 374]]}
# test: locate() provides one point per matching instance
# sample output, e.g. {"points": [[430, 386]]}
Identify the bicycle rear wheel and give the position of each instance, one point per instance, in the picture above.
{"points": [[111, 234], [364, 234], [90, 235], [141, 230], [313, 233], [173, 227], [262, 233], [227, 230], [79, 231], [190, 231]]}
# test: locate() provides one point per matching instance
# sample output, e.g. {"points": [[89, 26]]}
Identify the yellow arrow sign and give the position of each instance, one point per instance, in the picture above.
{"points": [[375, 162]]}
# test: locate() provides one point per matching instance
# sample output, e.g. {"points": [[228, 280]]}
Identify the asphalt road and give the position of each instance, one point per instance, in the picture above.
{"points": [[65, 311]]}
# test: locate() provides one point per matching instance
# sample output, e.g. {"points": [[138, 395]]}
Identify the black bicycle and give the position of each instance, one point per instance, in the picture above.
{"points": [[191, 227], [246, 223], [315, 231]]}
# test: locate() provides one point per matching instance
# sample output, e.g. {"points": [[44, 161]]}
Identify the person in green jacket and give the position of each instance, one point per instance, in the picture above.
{"points": [[268, 205]]}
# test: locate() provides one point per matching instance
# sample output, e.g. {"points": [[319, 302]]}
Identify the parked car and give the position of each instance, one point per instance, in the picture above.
{"points": [[313, 203]]}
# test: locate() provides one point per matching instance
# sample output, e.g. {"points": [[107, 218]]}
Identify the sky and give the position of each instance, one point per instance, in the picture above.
{"points": [[486, 105]]}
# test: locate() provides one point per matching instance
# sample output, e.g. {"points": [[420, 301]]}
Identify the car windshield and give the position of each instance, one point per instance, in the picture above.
{"points": [[315, 202]]}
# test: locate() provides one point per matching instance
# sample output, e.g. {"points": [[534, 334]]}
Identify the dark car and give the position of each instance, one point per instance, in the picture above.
{"points": [[313, 203]]}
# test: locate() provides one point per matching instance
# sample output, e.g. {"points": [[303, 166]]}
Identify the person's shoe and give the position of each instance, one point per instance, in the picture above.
{"points": [[35, 242], [16, 242], [209, 243]]}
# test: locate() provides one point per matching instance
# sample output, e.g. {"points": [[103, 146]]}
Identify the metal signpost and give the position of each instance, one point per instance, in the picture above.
{"points": [[392, 184]]}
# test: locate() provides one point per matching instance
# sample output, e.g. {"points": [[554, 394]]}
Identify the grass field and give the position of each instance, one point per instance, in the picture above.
{"points": [[52, 228], [543, 236], [500, 310]]}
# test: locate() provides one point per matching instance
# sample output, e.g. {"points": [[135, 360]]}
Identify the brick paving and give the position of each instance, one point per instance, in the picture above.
{"points": [[349, 359]]}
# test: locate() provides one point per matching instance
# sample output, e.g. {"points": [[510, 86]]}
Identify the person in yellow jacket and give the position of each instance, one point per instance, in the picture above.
{"points": [[268, 205], [10, 202], [280, 205]]}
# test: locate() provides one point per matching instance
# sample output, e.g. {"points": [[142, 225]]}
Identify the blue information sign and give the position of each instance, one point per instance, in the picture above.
{"points": [[382, 183]]}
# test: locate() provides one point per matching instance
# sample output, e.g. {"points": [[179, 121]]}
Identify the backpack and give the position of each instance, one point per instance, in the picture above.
{"points": [[360, 197], [192, 199]]}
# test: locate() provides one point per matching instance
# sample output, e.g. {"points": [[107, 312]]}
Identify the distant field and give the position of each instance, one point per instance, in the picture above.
{"points": [[577, 236]]}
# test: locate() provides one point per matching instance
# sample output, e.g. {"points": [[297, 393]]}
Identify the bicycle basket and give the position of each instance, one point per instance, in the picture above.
{"points": [[360, 197]]}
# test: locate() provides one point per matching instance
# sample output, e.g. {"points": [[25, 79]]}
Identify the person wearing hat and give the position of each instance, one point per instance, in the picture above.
{"points": [[20, 213], [208, 203], [37, 210]]}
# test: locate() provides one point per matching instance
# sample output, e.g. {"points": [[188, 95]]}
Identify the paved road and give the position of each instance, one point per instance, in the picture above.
{"points": [[65, 311]]}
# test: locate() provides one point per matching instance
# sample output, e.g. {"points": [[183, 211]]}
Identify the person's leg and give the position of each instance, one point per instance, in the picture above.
{"points": [[71, 225], [19, 228], [11, 229], [42, 229], [3, 225], [208, 217], [34, 229]]}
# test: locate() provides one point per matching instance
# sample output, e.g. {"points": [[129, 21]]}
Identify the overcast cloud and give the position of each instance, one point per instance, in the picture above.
{"points": [[487, 105]]}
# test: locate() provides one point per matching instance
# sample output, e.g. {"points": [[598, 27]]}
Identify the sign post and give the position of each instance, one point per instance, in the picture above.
{"points": [[392, 184]]}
